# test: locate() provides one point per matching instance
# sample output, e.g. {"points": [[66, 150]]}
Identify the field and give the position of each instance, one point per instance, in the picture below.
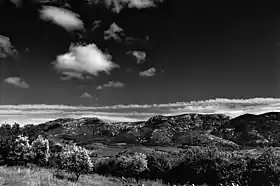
{"points": [[20, 176]]}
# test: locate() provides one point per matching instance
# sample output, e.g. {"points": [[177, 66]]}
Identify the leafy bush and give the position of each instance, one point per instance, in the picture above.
{"points": [[8, 135], [265, 170], [20, 154], [40, 151], [75, 159], [160, 137], [159, 165], [127, 165], [208, 165]]}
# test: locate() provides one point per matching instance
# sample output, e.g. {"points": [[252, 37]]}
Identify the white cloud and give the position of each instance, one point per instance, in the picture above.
{"points": [[16, 81], [149, 72], [117, 5], [62, 17], [230, 107], [112, 84], [114, 32], [86, 95], [140, 55], [265, 103], [6, 48], [141, 4], [84, 60]]}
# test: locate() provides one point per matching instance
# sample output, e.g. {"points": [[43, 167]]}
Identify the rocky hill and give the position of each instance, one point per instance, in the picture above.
{"points": [[180, 130], [158, 130], [249, 129]]}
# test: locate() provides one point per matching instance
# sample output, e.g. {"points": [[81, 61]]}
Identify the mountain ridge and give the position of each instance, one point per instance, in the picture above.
{"points": [[190, 129]]}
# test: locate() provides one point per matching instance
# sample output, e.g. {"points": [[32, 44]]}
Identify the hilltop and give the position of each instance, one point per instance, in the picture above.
{"points": [[166, 131]]}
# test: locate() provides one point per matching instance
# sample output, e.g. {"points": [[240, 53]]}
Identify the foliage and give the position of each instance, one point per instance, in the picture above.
{"points": [[20, 154], [8, 135], [159, 165], [160, 137], [127, 165], [40, 151], [75, 159], [265, 170], [208, 165], [32, 131]]}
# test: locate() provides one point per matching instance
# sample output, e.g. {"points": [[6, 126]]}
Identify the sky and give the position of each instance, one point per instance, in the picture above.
{"points": [[123, 60]]}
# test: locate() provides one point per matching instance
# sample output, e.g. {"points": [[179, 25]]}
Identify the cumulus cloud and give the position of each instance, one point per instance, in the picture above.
{"points": [[117, 5], [86, 95], [140, 55], [6, 48], [16, 81], [114, 32], [62, 17], [82, 61], [134, 112], [111, 84], [149, 72]]}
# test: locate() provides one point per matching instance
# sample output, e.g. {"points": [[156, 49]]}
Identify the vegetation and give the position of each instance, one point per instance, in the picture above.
{"points": [[212, 151], [75, 159]]}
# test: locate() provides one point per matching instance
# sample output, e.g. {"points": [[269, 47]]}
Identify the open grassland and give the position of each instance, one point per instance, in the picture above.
{"points": [[23, 176]]}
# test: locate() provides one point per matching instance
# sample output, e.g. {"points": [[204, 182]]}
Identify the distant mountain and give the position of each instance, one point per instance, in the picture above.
{"points": [[249, 129], [158, 130], [188, 121], [179, 130]]}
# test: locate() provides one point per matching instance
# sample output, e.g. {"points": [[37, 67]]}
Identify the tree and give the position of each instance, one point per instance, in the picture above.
{"points": [[8, 135], [75, 159], [40, 150], [160, 137], [20, 154]]}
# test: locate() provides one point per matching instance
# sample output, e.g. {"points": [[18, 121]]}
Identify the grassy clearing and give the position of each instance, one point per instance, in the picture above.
{"points": [[22, 176]]}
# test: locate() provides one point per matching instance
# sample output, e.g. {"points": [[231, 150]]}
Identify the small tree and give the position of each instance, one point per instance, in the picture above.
{"points": [[20, 154], [75, 159], [127, 165], [160, 137], [40, 151], [159, 165]]}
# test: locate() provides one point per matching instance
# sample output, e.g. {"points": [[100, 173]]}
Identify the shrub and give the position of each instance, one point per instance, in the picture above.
{"points": [[8, 135], [123, 164], [160, 137], [159, 165], [265, 170], [75, 159], [208, 165], [20, 154], [40, 151]]}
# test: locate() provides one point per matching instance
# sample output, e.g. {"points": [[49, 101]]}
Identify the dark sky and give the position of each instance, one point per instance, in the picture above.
{"points": [[200, 50]]}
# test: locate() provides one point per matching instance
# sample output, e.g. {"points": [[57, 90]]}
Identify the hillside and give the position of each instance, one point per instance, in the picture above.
{"points": [[249, 129], [158, 130], [170, 144], [177, 131]]}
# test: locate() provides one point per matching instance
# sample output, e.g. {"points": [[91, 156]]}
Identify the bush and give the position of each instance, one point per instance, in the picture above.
{"points": [[160, 137], [208, 165], [8, 135], [40, 151], [20, 153], [264, 170], [159, 165], [126, 165], [75, 159]]}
